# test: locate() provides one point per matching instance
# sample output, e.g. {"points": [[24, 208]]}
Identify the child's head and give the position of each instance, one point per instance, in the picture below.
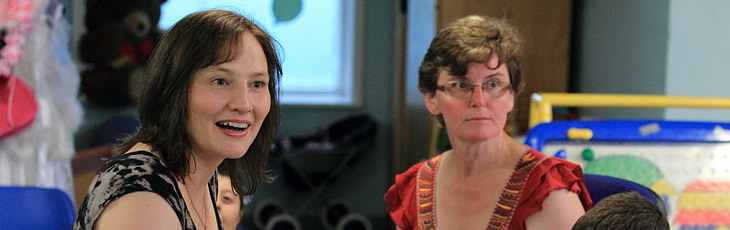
{"points": [[627, 210], [230, 204]]}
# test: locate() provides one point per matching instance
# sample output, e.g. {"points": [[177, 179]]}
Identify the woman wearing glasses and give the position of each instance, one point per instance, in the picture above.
{"points": [[469, 78]]}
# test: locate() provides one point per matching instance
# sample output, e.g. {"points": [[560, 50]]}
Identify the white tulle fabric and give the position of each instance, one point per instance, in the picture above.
{"points": [[40, 155]]}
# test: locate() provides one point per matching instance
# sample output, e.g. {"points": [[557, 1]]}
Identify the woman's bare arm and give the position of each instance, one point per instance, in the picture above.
{"points": [[138, 210], [560, 210]]}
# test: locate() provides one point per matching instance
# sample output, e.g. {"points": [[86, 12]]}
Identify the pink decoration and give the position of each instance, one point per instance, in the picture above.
{"points": [[15, 17]]}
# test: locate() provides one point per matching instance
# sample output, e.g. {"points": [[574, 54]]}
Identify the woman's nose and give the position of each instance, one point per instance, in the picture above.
{"points": [[240, 101], [477, 97]]}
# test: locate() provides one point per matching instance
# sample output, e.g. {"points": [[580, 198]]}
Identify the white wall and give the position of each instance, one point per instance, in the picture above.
{"points": [[698, 57]]}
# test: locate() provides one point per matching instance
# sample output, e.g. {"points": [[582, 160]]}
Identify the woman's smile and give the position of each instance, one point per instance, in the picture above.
{"points": [[234, 128]]}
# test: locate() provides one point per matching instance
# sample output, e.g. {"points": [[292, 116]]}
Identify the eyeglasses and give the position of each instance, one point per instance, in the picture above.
{"points": [[460, 89]]}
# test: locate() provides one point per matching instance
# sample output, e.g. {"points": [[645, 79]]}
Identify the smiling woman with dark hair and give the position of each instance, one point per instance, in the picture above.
{"points": [[210, 93]]}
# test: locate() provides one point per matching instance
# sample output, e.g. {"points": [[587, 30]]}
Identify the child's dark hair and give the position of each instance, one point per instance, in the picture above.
{"points": [[628, 211]]}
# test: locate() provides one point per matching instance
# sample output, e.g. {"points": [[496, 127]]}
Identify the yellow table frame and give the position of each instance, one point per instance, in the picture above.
{"points": [[541, 103]]}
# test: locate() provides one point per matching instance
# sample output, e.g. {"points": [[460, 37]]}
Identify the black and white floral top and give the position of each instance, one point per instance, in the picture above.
{"points": [[135, 172]]}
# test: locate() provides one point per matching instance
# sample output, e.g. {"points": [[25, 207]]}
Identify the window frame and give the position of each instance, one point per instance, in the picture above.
{"points": [[350, 71]]}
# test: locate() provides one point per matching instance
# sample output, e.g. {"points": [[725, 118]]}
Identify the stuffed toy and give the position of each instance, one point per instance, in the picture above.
{"points": [[115, 49]]}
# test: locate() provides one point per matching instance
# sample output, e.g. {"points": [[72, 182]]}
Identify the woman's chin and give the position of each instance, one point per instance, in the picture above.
{"points": [[234, 154], [479, 135]]}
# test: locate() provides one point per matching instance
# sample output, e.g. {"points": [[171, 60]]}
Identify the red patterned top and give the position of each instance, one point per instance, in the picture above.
{"points": [[410, 200]]}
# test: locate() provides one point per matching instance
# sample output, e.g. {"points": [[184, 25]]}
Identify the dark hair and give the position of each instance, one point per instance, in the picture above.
{"points": [[469, 39], [198, 41], [628, 210]]}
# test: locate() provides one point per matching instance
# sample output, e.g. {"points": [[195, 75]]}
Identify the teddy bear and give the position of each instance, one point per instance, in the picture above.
{"points": [[119, 40]]}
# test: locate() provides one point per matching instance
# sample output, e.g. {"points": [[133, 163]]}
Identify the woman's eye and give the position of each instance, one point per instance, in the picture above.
{"points": [[220, 81], [258, 84], [461, 85], [493, 84]]}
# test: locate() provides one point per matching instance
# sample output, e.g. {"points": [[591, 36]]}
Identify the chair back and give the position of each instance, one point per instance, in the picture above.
{"points": [[600, 186], [35, 208]]}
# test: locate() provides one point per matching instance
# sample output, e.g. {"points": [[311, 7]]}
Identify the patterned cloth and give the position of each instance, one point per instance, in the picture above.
{"points": [[410, 200], [135, 172]]}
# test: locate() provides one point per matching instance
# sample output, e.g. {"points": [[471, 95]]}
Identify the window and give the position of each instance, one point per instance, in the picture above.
{"points": [[317, 38]]}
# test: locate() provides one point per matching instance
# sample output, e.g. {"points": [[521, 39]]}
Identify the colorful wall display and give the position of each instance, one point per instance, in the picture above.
{"points": [[686, 163]]}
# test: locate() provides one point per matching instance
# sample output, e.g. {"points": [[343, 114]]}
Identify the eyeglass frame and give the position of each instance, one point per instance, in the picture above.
{"points": [[504, 88]]}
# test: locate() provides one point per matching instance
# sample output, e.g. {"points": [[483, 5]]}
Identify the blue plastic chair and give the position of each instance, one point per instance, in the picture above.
{"points": [[600, 186], [35, 208]]}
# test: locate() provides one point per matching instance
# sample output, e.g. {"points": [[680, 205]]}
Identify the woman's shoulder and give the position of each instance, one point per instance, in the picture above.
{"points": [[131, 172], [125, 174], [133, 168], [548, 174], [403, 181], [551, 169], [410, 175], [552, 173], [547, 163], [147, 209], [400, 199]]}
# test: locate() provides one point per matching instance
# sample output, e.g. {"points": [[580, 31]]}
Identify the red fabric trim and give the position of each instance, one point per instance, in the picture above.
{"points": [[425, 188], [509, 200]]}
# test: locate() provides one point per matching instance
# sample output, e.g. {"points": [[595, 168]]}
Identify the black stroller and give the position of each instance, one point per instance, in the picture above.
{"points": [[313, 162]]}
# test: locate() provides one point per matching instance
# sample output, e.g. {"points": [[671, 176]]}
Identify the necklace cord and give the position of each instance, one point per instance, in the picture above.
{"points": [[205, 225]]}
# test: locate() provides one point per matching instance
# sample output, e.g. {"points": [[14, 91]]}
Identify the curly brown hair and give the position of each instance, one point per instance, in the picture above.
{"points": [[469, 39], [474, 38]]}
